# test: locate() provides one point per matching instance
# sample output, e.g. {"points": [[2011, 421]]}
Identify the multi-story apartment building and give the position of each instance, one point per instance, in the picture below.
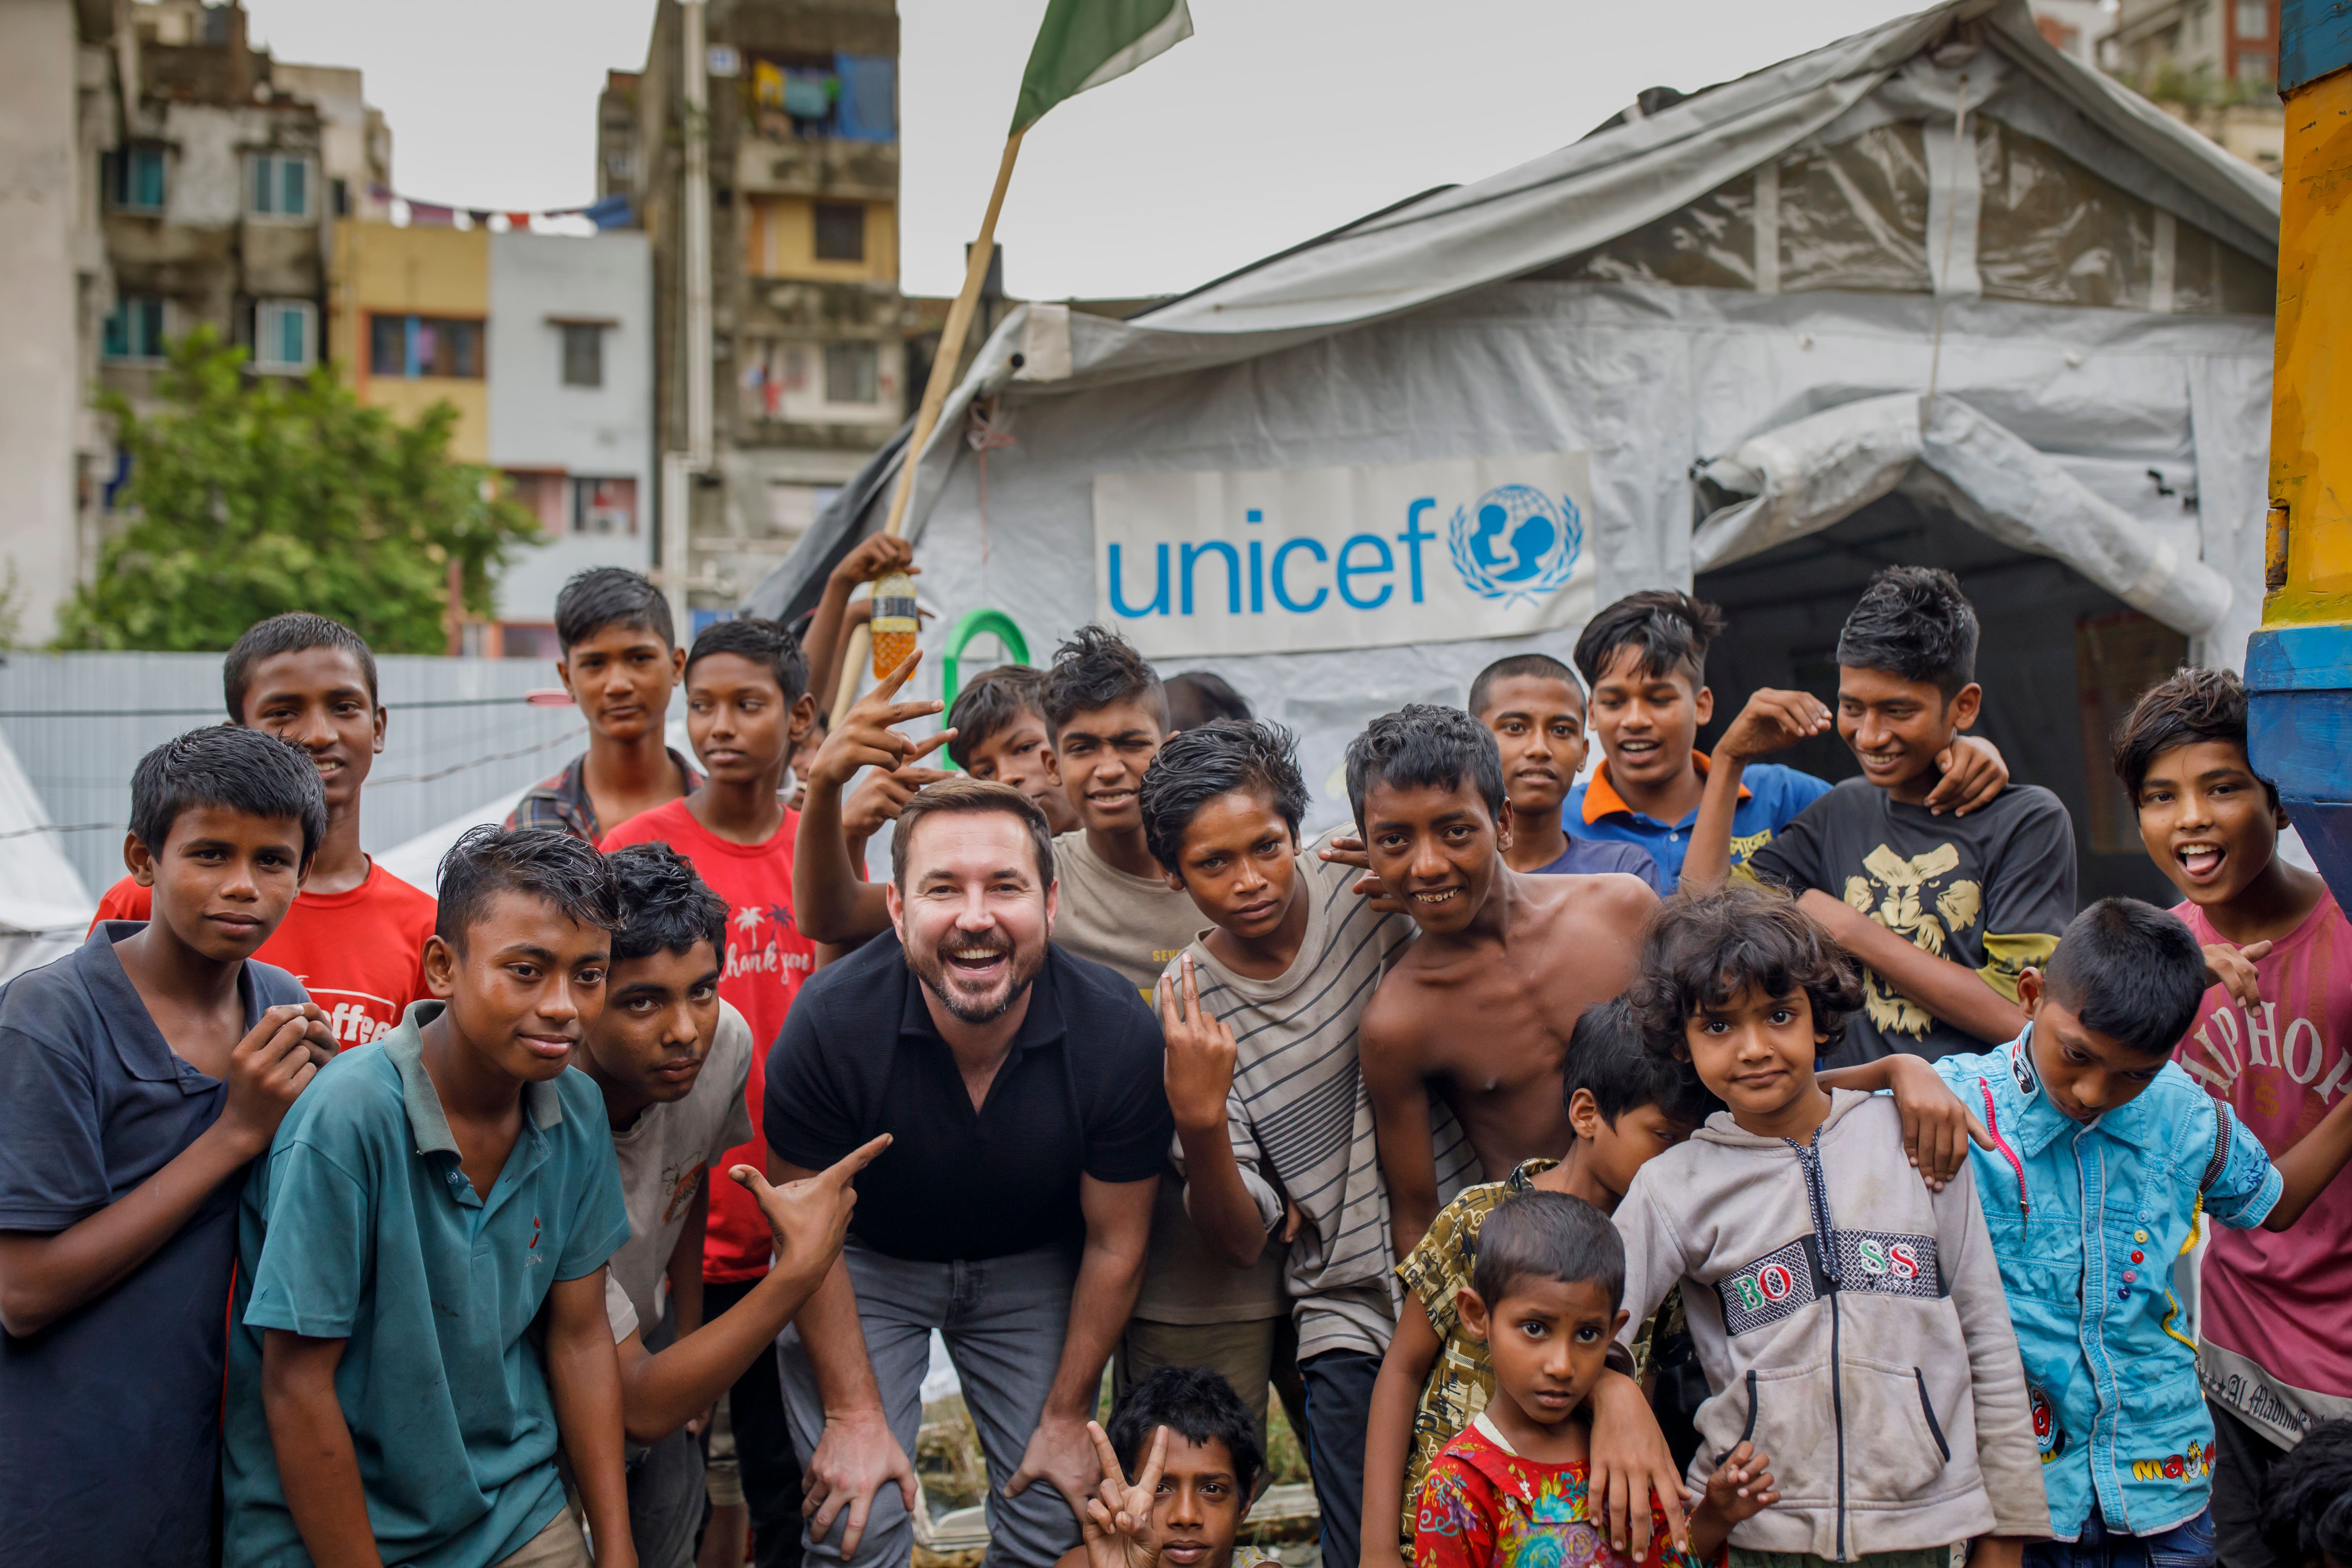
{"points": [[543, 345], [808, 351], [2218, 40]]}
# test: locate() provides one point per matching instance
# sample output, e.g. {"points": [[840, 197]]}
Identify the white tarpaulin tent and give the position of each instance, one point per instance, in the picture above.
{"points": [[1933, 287], [44, 906]]}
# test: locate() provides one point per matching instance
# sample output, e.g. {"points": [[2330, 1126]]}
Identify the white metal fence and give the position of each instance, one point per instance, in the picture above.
{"points": [[459, 734]]}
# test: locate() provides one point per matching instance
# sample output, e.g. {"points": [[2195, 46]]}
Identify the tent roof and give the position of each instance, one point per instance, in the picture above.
{"points": [[1630, 172], [1626, 175]]}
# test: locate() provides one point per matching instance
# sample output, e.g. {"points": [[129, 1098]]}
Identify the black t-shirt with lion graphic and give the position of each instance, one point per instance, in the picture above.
{"points": [[1991, 891]]}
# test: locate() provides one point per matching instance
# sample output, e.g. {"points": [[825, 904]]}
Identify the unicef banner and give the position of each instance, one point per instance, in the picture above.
{"points": [[1289, 560]]}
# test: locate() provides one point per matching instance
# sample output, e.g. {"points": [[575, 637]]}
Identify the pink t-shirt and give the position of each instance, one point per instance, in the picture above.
{"points": [[2273, 1303]]}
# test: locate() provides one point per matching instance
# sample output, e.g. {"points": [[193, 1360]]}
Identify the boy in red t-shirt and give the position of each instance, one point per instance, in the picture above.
{"points": [[748, 710], [2273, 1038], [356, 936]]}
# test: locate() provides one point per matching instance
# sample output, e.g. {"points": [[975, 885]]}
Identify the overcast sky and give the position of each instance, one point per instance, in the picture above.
{"points": [[1279, 120]]}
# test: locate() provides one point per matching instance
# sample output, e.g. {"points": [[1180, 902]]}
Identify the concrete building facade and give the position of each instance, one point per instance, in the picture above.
{"points": [[808, 354], [570, 391], [64, 64], [2220, 41]]}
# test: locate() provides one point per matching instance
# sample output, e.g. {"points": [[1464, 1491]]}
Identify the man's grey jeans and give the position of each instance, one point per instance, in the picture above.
{"points": [[1005, 1320]]}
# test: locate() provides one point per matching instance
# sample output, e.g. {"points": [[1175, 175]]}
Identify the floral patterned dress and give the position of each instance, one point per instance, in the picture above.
{"points": [[1483, 1504]]}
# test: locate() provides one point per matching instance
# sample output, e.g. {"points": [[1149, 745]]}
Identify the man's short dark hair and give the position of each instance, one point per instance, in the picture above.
{"points": [[1196, 696], [1519, 667], [537, 862], [1913, 622], [1095, 669], [1194, 1403], [1705, 950], [764, 643], [248, 772], [1225, 756], [610, 596], [1672, 631], [664, 906], [1546, 1235], [2131, 972], [288, 633], [2306, 1500], [1422, 746], [2192, 706], [970, 797], [1605, 1060], [993, 701]]}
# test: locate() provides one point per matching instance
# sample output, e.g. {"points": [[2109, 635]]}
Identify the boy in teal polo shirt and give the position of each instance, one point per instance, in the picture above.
{"points": [[432, 1193]]}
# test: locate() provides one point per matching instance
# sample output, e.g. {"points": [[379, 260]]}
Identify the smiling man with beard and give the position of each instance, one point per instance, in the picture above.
{"points": [[1023, 1085]]}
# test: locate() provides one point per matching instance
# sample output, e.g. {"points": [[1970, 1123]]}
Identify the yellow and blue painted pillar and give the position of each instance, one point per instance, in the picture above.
{"points": [[2299, 664]]}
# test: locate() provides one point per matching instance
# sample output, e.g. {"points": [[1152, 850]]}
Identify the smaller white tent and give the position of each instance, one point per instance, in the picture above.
{"points": [[44, 906], [1935, 293]]}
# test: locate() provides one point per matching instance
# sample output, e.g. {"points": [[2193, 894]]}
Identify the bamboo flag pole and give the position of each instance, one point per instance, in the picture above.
{"points": [[935, 395]]}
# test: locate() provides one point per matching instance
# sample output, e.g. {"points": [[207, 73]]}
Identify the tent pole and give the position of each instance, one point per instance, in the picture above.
{"points": [[935, 396]]}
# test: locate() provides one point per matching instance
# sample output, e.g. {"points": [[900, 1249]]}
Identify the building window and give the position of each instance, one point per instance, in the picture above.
{"points": [[2253, 20], [285, 334], [605, 507], [583, 353], [135, 329], [851, 371], [840, 231], [134, 178], [2253, 68], [279, 186], [411, 346]]}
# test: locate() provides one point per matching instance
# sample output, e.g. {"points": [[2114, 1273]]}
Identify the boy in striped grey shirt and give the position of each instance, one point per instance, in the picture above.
{"points": [[1274, 1126]]}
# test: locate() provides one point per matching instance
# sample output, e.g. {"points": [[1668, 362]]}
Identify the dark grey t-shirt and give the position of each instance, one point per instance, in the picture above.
{"points": [[1990, 890], [112, 1414]]}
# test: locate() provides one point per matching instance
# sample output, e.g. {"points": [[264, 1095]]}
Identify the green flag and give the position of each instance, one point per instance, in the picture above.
{"points": [[1086, 43]]}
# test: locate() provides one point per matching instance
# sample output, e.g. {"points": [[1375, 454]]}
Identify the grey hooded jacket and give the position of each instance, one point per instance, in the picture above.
{"points": [[1853, 1325]]}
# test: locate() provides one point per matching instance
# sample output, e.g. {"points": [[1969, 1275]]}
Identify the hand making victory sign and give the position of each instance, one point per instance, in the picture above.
{"points": [[1117, 1525]]}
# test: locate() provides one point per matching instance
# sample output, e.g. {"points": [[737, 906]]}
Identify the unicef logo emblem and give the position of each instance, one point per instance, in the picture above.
{"points": [[1517, 543]]}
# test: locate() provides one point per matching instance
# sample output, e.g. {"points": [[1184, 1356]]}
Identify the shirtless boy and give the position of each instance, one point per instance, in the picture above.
{"points": [[1480, 1008]]}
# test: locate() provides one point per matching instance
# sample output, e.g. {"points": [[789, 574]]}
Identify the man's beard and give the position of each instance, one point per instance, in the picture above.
{"points": [[932, 968]]}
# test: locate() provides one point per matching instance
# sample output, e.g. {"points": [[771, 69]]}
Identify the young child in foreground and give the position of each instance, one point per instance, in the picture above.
{"points": [[1514, 1489], [1625, 1107], [2105, 1157], [1191, 1446], [2274, 1040], [1853, 1325], [140, 1077]]}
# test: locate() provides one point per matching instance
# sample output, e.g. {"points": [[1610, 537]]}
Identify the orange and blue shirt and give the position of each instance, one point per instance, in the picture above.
{"points": [[1771, 797], [1484, 1504]]}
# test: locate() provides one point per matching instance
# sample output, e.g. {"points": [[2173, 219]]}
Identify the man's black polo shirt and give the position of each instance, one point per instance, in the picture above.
{"points": [[1081, 1092]]}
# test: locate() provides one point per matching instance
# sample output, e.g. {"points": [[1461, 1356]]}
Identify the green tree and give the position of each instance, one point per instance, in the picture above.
{"points": [[249, 496]]}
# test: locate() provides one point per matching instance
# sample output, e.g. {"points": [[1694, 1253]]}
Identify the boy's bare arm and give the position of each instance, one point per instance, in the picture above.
{"points": [[1401, 1130], [317, 1465], [2307, 1168], [830, 903], [807, 1220], [45, 1275], [1952, 992], [583, 1374], [1937, 1128], [1414, 1349], [877, 555], [1771, 721], [684, 1270]]}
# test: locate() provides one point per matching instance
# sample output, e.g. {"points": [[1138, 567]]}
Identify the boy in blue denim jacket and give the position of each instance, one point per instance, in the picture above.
{"points": [[2103, 1159]]}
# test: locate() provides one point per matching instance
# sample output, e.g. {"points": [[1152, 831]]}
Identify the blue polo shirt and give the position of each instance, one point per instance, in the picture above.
{"points": [[1771, 797], [361, 1226], [1592, 857], [110, 1417]]}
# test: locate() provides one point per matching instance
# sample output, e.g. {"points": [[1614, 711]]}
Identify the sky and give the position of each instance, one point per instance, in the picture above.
{"points": [[1279, 120]]}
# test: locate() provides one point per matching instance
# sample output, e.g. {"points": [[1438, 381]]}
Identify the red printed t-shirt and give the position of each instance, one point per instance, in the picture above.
{"points": [[767, 961], [2271, 1349], [360, 955]]}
